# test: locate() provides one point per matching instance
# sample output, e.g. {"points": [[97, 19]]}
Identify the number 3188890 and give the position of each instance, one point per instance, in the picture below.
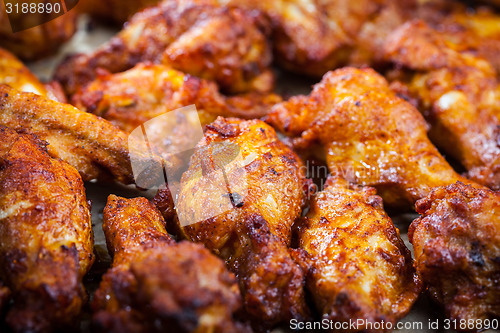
{"points": [[33, 8]]}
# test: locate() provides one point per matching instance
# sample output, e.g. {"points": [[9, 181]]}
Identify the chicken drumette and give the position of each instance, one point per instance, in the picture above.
{"points": [[458, 93], [225, 45], [96, 148], [156, 284], [359, 268], [370, 136], [240, 196], [131, 98], [46, 241], [457, 250]]}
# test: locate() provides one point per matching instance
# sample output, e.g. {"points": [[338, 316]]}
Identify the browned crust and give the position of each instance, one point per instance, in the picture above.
{"points": [[456, 242], [46, 241]]}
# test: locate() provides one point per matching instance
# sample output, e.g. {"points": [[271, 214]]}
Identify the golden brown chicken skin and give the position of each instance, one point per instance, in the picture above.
{"points": [[228, 46], [359, 268], [456, 242], [15, 74], [458, 93], [46, 241], [113, 11], [37, 42], [156, 284], [370, 136], [242, 208], [312, 37], [131, 98], [96, 148], [4, 297]]}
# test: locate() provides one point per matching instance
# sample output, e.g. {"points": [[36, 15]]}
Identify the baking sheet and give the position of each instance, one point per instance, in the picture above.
{"points": [[89, 36]]}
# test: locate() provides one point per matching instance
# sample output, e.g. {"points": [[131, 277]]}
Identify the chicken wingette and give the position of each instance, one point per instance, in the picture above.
{"points": [[240, 196], [41, 40], [359, 268], [370, 136], [46, 240], [458, 93], [156, 284], [131, 98], [96, 148], [228, 46], [457, 251]]}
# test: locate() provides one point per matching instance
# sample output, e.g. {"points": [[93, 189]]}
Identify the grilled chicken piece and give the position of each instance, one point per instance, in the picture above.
{"points": [[457, 250], [113, 11], [458, 93], [359, 267], [156, 284], [370, 136], [46, 241], [39, 41], [312, 37], [96, 148], [228, 46], [16, 75], [131, 98], [240, 196]]}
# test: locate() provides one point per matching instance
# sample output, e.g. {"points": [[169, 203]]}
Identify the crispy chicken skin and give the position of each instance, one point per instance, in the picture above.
{"points": [[371, 137], [359, 266], [46, 239], [4, 297], [456, 242], [458, 93], [156, 284], [263, 192], [314, 36], [113, 11], [228, 46], [40, 41], [131, 98], [15, 74], [96, 148]]}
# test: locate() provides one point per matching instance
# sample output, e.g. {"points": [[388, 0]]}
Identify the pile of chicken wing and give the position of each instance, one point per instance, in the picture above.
{"points": [[245, 236]]}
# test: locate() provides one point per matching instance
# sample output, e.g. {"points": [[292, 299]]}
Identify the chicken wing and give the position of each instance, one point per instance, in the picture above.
{"points": [[240, 196], [228, 46], [131, 98], [371, 137], [15, 74], [96, 148], [312, 37], [46, 241], [4, 297], [156, 284], [39, 41], [113, 11], [459, 95], [457, 250], [360, 268]]}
